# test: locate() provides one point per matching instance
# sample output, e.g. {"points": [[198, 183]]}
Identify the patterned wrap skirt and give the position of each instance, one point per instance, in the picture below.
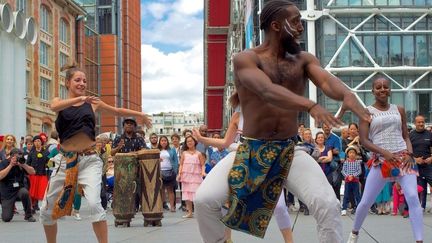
{"points": [[256, 181]]}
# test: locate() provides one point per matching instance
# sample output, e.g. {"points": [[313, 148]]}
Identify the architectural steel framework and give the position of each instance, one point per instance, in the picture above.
{"points": [[402, 18], [370, 11]]}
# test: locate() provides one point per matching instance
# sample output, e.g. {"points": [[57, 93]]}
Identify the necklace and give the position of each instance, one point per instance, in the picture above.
{"points": [[381, 107], [191, 152]]}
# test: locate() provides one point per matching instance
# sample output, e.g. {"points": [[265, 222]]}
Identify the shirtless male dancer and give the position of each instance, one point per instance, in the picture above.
{"points": [[271, 80]]}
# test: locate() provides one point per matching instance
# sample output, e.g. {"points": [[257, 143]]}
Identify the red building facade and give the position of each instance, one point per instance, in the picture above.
{"points": [[217, 22]]}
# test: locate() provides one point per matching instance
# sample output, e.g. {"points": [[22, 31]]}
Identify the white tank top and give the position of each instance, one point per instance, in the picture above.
{"points": [[165, 164], [385, 129]]}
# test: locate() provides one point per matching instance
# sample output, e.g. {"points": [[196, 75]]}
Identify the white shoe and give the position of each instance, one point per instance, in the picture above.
{"points": [[343, 213], [292, 208], [76, 215], [352, 238]]}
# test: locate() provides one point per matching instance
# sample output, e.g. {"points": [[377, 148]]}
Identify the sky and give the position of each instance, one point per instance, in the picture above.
{"points": [[172, 55]]}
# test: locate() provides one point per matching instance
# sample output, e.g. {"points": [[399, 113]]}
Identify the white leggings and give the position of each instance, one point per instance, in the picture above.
{"points": [[305, 180], [375, 183]]}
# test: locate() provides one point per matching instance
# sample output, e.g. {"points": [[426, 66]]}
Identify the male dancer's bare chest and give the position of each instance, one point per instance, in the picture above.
{"points": [[289, 74]]}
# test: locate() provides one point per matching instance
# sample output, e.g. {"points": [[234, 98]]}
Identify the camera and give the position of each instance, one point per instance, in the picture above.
{"points": [[19, 155], [20, 158]]}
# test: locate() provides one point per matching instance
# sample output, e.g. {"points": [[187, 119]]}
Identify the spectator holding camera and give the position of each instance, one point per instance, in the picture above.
{"points": [[12, 173]]}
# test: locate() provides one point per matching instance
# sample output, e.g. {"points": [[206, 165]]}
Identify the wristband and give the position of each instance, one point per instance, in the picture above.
{"points": [[311, 107]]}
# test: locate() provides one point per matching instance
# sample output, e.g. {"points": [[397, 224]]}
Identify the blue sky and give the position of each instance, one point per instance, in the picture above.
{"points": [[172, 55]]}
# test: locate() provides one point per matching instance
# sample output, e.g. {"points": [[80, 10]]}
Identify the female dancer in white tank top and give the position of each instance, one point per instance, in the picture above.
{"points": [[230, 141], [386, 136]]}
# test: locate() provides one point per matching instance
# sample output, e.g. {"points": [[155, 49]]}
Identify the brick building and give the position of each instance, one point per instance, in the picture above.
{"points": [[56, 46], [107, 45], [119, 24]]}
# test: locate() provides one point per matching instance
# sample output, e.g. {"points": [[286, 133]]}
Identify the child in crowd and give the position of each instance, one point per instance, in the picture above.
{"points": [[399, 204], [351, 170], [398, 200], [383, 200], [191, 172], [215, 154]]}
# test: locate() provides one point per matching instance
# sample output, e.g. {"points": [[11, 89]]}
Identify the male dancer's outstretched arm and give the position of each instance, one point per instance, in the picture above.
{"points": [[333, 87]]}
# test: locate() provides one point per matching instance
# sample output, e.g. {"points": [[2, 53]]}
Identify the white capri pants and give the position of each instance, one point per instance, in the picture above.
{"points": [[306, 180], [89, 177]]}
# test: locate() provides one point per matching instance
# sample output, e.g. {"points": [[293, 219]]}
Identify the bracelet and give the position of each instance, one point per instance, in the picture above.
{"points": [[311, 107]]}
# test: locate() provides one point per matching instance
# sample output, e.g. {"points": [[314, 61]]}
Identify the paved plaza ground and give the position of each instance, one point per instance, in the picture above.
{"points": [[175, 229]]}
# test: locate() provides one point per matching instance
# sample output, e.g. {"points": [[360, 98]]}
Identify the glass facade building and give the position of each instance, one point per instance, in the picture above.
{"points": [[358, 39]]}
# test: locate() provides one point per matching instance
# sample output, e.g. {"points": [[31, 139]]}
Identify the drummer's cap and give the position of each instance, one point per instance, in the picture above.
{"points": [[129, 119]]}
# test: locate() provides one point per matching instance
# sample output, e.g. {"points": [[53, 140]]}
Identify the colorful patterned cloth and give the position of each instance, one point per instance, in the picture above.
{"points": [[256, 181], [406, 165], [63, 204]]}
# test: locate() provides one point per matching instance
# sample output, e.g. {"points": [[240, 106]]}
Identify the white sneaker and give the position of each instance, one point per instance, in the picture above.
{"points": [[352, 238], [292, 208], [343, 213], [76, 215]]}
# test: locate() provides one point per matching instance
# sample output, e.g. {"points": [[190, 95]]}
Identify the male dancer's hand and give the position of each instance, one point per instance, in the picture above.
{"points": [[147, 120], [350, 102], [321, 115]]}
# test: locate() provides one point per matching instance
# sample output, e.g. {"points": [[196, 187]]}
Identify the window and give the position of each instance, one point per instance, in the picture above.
{"points": [[21, 5], [27, 84], [44, 19], [105, 21], [44, 89], [46, 128], [43, 53], [63, 60], [421, 51], [382, 50], [408, 50], [63, 92], [64, 31], [395, 51]]}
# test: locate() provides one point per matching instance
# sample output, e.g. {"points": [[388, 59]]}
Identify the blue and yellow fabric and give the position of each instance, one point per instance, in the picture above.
{"points": [[63, 204], [256, 181]]}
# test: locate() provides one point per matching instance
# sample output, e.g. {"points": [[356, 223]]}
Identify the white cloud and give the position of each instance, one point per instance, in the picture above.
{"points": [[173, 81], [174, 23], [157, 10], [189, 7]]}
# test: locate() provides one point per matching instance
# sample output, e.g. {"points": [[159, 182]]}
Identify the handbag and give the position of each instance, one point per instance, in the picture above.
{"points": [[168, 175]]}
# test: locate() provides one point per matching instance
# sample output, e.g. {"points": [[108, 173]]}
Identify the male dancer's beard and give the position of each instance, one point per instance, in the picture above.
{"points": [[290, 45]]}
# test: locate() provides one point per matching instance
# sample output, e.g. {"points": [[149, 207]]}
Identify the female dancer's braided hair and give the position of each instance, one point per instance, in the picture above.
{"points": [[270, 12]]}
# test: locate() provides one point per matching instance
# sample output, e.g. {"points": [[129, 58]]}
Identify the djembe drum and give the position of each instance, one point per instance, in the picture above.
{"points": [[151, 190], [125, 173]]}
